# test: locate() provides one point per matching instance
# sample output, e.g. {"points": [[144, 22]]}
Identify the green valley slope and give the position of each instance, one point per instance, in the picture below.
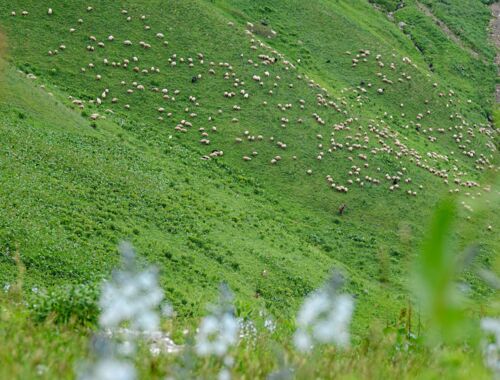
{"points": [[333, 88]]}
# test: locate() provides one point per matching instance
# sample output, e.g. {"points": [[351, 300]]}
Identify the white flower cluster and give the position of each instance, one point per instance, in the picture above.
{"points": [[132, 297], [324, 317], [216, 334], [269, 322], [491, 327], [247, 330], [111, 369], [219, 330], [270, 325]]}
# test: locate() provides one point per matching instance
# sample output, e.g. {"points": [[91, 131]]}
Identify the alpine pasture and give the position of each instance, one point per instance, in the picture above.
{"points": [[260, 144]]}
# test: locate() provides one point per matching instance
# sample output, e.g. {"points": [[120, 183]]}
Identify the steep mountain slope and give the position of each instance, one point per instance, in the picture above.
{"points": [[314, 105]]}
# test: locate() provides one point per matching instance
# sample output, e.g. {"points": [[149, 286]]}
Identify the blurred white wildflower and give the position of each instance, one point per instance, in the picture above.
{"points": [[270, 325], [110, 369], [6, 288], [491, 327], [284, 371], [324, 317], [216, 334], [167, 310], [282, 374], [41, 369], [132, 297], [228, 361], [269, 322], [219, 330], [224, 374]]}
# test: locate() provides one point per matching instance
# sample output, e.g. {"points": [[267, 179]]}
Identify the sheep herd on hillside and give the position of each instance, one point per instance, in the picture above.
{"points": [[358, 141]]}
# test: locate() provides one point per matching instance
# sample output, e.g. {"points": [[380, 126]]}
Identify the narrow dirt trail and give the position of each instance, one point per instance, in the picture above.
{"points": [[495, 37]]}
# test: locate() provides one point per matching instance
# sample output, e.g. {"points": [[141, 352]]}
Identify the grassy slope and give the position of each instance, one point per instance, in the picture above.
{"points": [[456, 64], [203, 222], [456, 14]]}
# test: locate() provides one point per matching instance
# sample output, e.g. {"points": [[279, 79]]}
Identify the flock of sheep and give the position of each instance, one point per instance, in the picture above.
{"points": [[359, 141]]}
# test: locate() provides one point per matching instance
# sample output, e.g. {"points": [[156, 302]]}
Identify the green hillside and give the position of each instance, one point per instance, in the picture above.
{"points": [[222, 138]]}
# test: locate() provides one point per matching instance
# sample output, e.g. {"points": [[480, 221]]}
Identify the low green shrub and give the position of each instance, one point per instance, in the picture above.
{"points": [[77, 303]]}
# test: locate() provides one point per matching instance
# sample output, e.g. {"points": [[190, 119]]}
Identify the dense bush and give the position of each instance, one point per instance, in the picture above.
{"points": [[77, 303]]}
